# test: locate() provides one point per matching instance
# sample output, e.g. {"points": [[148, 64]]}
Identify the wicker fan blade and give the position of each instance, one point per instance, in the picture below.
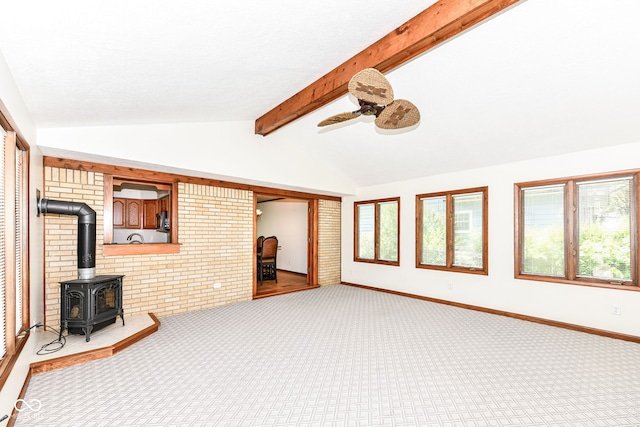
{"points": [[400, 114], [342, 117], [372, 86]]}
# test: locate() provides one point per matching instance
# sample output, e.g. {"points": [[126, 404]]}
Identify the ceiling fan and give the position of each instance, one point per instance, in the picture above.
{"points": [[375, 96]]}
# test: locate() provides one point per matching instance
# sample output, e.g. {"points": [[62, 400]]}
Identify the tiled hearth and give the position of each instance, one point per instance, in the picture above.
{"points": [[104, 343]]}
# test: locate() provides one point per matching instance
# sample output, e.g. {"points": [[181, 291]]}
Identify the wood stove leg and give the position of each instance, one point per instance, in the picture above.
{"points": [[122, 317], [87, 333]]}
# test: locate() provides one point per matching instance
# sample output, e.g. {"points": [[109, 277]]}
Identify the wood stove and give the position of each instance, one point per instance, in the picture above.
{"points": [[90, 304]]}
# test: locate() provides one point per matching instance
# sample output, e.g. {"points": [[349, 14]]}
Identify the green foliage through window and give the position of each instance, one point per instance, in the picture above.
{"points": [[597, 211], [452, 230], [377, 231]]}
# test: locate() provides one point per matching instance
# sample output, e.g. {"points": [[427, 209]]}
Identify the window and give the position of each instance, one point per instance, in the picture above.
{"points": [[142, 211], [14, 314], [463, 222], [578, 230], [451, 230], [377, 231]]}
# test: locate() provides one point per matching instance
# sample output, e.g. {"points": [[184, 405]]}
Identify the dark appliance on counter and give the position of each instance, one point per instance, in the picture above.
{"points": [[162, 222]]}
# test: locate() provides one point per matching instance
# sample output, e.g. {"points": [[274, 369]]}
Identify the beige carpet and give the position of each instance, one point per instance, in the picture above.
{"points": [[344, 356]]}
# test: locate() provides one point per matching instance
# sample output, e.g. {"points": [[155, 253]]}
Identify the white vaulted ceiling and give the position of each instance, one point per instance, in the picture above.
{"points": [[544, 77], [82, 63]]}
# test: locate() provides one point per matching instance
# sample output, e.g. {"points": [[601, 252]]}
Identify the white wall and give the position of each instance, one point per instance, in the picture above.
{"points": [[288, 221], [14, 104], [226, 150], [581, 305], [12, 100], [36, 243]]}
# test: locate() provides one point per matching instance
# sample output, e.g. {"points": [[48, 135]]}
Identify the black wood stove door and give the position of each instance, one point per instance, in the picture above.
{"points": [[90, 304]]}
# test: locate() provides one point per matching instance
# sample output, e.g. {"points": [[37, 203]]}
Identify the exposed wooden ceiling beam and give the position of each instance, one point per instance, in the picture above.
{"points": [[441, 21]]}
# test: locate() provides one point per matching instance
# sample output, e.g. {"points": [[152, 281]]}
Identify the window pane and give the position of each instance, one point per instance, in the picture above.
{"points": [[467, 229], [543, 234], [388, 231], [434, 231], [604, 229], [366, 221]]}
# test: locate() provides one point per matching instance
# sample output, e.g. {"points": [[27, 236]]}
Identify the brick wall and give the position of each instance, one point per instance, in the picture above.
{"points": [[61, 231], [328, 242], [216, 235]]}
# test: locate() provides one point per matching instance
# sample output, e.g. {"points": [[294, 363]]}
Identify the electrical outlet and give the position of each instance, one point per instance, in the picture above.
{"points": [[616, 310], [217, 285]]}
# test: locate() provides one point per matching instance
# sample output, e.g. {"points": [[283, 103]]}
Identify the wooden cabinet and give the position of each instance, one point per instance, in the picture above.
{"points": [[119, 208], [127, 213], [135, 213], [150, 209]]}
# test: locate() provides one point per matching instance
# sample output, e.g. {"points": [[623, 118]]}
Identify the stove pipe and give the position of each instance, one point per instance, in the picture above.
{"points": [[86, 231]]}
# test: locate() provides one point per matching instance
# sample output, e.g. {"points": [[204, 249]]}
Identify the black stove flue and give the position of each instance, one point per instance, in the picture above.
{"points": [[86, 231]]}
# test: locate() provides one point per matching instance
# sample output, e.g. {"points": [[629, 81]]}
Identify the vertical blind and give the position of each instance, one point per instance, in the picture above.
{"points": [[18, 236], [3, 348]]}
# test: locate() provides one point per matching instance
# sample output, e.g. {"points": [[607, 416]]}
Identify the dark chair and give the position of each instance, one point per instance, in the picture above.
{"points": [[267, 260], [259, 244]]}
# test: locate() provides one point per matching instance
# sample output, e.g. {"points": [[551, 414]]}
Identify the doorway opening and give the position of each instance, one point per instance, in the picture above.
{"points": [[293, 221]]}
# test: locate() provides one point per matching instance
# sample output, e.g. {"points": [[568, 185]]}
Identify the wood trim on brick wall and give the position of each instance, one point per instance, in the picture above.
{"points": [[145, 174]]}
